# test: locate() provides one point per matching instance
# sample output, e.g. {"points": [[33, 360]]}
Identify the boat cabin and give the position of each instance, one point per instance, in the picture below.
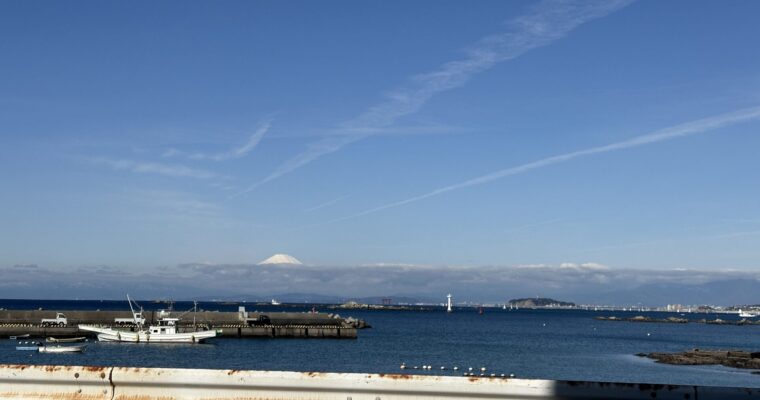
{"points": [[166, 326]]}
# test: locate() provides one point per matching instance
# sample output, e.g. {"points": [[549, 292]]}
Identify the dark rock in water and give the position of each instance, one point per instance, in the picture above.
{"points": [[728, 358]]}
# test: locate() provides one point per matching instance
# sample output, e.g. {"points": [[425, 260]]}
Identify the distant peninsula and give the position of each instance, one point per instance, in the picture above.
{"points": [[539, 302]]}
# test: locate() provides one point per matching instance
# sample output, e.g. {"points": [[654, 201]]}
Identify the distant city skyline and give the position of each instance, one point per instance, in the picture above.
{"points": [[440, 139]]}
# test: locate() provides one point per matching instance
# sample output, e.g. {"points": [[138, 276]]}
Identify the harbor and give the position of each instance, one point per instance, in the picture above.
{"points": [[241, 324]]}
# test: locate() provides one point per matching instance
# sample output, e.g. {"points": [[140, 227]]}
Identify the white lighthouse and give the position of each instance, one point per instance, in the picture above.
{"points": [[448, 303]]}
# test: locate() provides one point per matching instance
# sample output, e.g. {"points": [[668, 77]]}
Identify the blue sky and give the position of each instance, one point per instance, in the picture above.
{"points": [[148, 134]]}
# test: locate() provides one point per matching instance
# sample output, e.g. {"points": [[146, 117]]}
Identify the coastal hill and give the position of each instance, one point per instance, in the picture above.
{"points": [[539, 302]]}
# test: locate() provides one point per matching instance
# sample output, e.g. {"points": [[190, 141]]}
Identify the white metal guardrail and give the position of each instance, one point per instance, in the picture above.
{"points": [[118, 383]]}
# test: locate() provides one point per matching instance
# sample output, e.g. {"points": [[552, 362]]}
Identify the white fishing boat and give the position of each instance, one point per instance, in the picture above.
{"points": [[166, 331], [62, 349], [275, 302], [747, 314]]}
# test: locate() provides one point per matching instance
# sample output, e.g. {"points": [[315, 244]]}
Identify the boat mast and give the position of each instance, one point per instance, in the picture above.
{"points": [[138, 323]]}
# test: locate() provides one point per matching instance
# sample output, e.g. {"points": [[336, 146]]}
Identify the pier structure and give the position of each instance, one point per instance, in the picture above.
{"points": [[239, 324]]}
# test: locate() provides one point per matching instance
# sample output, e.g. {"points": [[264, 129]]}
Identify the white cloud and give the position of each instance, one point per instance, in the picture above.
{"points": [[584, 266], [579, 282]]}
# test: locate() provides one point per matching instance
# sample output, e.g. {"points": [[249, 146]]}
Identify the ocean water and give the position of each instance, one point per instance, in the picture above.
{"points": [[546, 344]]}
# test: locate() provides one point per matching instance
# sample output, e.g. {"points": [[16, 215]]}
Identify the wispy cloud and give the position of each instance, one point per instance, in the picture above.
{"points": [[233, 153], [536, 225], [406, 130], [546, 23], [686, 129], [735, 234], [669, 241], [325, 204], [168, 201], [174, 170], [741, 220]]}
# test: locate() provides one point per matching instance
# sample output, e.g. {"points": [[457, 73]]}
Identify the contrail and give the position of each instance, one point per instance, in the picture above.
{"points": [[686, 129], [548, 22], [236, 152]]}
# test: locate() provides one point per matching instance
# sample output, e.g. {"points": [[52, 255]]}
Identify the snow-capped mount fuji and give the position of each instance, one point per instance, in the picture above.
{"points": [[281, 259]]}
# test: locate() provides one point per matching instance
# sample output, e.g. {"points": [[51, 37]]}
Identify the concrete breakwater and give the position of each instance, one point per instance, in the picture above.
{"points": [[674, 320], [230, 324]]}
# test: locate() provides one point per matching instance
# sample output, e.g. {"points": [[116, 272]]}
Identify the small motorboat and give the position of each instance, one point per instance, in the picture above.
{"points": [[24, 336], [29, 346], [66, 340], [61, 349]]}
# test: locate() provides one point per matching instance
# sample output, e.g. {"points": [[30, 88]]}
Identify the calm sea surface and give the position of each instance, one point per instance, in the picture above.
{"points": [[545, 344]]}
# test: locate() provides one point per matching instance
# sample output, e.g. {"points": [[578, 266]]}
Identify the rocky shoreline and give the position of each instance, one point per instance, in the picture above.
{"points": [[674, 320], [728, 358]]}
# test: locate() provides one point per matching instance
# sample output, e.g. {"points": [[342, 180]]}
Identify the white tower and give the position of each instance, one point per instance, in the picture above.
{"points": [[448, 303]]}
